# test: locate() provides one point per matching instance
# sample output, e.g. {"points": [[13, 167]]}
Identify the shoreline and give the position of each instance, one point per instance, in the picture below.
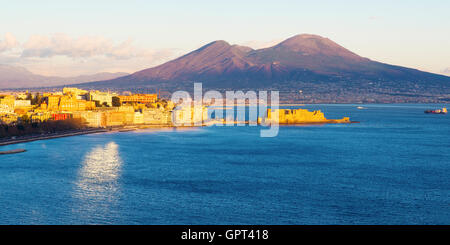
{"points": [[12, 151], [26, 139], [130, 128]]}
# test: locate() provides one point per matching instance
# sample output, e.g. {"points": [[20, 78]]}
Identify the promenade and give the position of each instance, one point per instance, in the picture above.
{"points": [[30, 138]]}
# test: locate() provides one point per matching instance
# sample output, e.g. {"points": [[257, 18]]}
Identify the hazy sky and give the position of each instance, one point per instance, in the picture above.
{"points": [[81, 37]]}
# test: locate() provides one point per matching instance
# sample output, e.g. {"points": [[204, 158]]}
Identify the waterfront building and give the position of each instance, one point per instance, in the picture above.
{"points": [[138, 98], [8, 100], [156, 116], [138, 118], [91, 118], [114, 118], [126, 108], [133, 109], [101, 97]]}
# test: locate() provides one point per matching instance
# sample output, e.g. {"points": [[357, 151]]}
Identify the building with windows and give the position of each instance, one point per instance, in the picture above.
{"points": [[138, 98], [8, 100], [101, 97], [22, 103]]}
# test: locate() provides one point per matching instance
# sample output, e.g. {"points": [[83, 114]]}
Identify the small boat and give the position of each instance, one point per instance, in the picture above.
{"points": [[361, 108], [437, 111]]}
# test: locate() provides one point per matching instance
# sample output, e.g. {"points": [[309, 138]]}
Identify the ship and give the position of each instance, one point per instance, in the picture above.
{"points": [[437, 111]]}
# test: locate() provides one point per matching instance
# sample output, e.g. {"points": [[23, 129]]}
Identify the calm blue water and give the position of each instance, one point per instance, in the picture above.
{"points": [[392, 168]]}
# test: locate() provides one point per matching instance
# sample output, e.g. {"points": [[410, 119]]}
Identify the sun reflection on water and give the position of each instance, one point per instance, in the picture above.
{"points": [[96, 187]]}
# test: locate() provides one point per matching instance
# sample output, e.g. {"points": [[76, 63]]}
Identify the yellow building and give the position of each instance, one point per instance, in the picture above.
{"points": [[91, 118], [74, 91], [53, 102], [157, 116], [101, 97], [5, 109], [126, 108], [22, 103], [40, 116], [114, 118], [8, 100], [8, 118], [139, 98], [288, 116], [138, 118], [67, 103]]}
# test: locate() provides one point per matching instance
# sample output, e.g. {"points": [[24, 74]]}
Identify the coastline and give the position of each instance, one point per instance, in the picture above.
{"points": [[12, 151], [51, 136], [130, 128], [31, 138]]}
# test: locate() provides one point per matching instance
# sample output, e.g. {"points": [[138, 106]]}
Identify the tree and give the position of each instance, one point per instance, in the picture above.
{"points": [[25, 119], [115, 101], [29, 96], [37, 100], [97, 103]]}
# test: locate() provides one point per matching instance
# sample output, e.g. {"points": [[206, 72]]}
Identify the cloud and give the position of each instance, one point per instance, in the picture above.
{"points": [[63, 55], [82, 47], [9, 42], [446, 70]]}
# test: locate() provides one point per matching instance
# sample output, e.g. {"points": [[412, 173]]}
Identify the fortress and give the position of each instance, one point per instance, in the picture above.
{"points": [[300, 116]]}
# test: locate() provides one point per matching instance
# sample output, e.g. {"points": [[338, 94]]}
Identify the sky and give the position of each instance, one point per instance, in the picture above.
{"points": [[69, 38]]}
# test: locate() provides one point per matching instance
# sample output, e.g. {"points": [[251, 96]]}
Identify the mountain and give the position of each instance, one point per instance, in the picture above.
{"points": [[446, 71], [323, 70], [19, 77]]}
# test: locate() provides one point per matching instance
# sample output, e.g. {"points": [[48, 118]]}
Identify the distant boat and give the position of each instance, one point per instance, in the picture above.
{"points": [[437, 111], [361, 108]]}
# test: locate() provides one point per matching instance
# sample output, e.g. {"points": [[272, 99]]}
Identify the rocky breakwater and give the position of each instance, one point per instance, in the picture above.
{"points": [[12, 151]]}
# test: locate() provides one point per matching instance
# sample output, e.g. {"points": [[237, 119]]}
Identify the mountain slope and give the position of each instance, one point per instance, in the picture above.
{"points": [[215, 58], [19, 77]]}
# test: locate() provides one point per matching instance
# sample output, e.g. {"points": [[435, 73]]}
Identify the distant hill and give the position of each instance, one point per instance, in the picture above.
{"points": [[19, 77]]}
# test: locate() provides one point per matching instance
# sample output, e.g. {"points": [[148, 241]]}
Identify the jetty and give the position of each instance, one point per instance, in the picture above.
{"points": [[12, 151], [25, 139]]}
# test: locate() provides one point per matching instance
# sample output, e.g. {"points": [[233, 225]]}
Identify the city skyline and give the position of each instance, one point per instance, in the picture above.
{"points": [[68, 39]]}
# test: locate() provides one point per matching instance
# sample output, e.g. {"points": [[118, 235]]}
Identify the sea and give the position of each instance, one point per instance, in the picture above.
{"points": [[393, 167]]}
